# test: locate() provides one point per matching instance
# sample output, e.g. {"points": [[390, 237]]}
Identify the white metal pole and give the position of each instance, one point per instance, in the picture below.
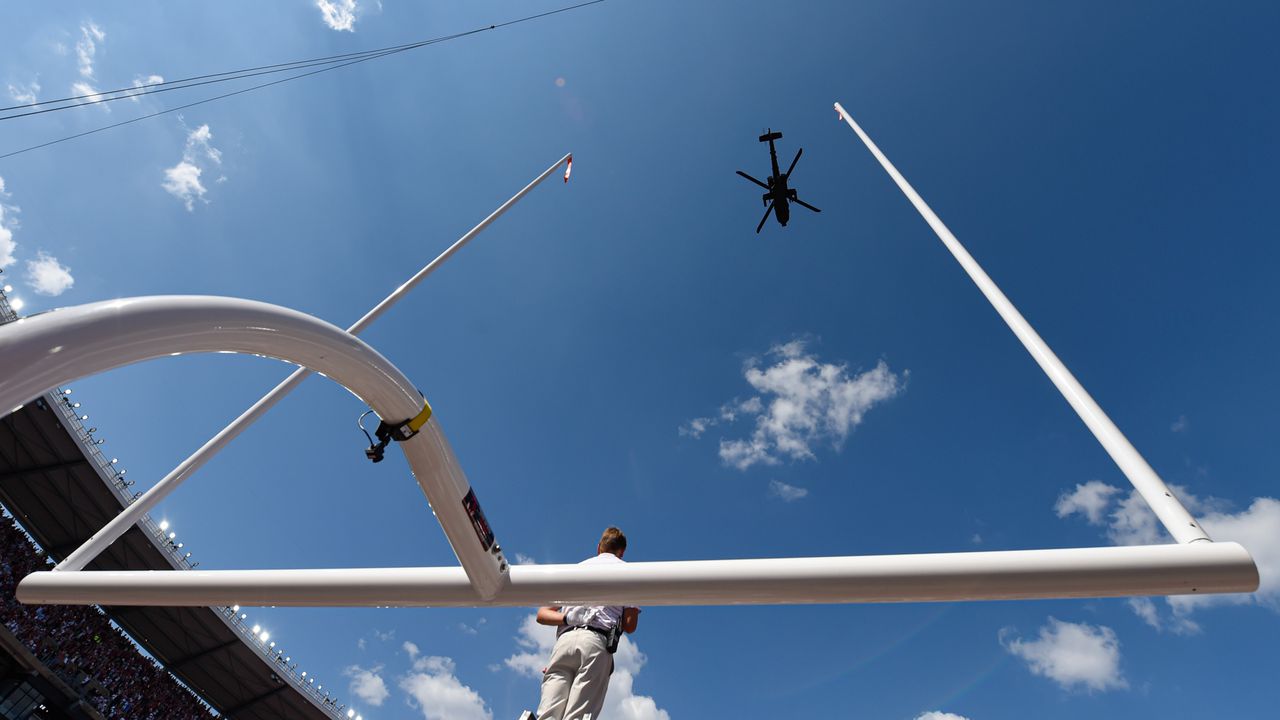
{"points": [[100, 540], [1175, 517], [1194, 569]]}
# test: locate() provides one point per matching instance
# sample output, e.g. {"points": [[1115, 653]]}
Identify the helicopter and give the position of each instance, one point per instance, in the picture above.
{"points": [[779, 195]]}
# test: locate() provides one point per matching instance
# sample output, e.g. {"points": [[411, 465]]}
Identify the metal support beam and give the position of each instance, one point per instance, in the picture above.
{"points": [[41, 469], [182, 662]]}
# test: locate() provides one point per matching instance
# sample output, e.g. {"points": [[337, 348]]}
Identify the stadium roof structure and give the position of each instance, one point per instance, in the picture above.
{"points": [[53, 480]]}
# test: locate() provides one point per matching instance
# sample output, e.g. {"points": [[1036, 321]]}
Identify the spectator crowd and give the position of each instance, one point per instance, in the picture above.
{"points": [[83, 647]]}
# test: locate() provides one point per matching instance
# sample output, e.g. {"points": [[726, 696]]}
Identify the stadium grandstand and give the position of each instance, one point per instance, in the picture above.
{"points": [[140, 663]]}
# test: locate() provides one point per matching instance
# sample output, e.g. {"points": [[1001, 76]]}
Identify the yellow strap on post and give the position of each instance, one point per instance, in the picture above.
{"points": [[421, 418]]}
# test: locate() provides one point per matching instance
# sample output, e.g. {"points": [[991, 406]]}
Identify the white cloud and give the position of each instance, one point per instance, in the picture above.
{"points": [[24, 94], [1090, 499], [87, 94], [1130, 521], [788, 493], [535, 643], [183, 180], [695, 427], [939, 715], [411, 648], [8, 246], [1072, 654], [87, 47], [434, 689], [47, 276], [800, 402], [621, 702], [142, 82], [339, 14], [368, 685], [522, 559]]}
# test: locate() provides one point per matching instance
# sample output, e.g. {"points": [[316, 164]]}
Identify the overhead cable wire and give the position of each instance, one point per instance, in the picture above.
{"points": [[138, 90], [331, 63], [277, 67]]}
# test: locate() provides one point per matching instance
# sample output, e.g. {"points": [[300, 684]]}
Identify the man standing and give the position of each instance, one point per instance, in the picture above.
{"points": [[575, 681]]}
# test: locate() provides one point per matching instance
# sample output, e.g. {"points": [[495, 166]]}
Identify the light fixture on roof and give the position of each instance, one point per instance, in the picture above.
{"points": [[17, 303], [235, 608], [351, 713], [164, 525], [8, 288], [116, 460], [184, 557], [273, 643], [265, 636], [257, 629], [67, 391], [243, 616], [93, 430], [173, 535], [99, 441], [84, 417], [304, 673], [75, 405]]}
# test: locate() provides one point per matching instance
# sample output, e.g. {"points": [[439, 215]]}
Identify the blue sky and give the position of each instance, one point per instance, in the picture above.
{"points": [[1111, 166]]}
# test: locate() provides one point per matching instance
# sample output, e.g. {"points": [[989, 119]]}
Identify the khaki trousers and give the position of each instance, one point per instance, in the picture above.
{"points": [[577, 677]]}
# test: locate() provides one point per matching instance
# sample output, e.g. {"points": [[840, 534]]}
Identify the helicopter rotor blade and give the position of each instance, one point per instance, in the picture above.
{"points": [[793, 162], [766, 187], [765, 218], [798, 201]]}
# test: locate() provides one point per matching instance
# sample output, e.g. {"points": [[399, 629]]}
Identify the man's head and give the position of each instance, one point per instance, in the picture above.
{"points": [[612, 541]]}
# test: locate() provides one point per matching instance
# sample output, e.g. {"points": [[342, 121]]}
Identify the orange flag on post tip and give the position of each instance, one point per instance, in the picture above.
{"points": [[568, 168]]}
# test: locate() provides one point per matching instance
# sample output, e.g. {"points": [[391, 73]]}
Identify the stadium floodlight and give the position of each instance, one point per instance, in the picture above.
{"points": [[235, 608], [304, 673], [84, 417], [116, 460], [244, 616], [265, 636], [164, 525], [67, 391], [257, 629], [351, 713], [8, 288], [173, 535], [272, 645], [17, 303]]}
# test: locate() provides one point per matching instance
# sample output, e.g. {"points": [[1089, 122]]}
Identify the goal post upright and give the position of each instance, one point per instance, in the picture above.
{"points": [[1175, 518]]}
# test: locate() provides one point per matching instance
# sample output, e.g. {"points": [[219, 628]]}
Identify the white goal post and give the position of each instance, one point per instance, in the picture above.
{"points": [[58, 347]]}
